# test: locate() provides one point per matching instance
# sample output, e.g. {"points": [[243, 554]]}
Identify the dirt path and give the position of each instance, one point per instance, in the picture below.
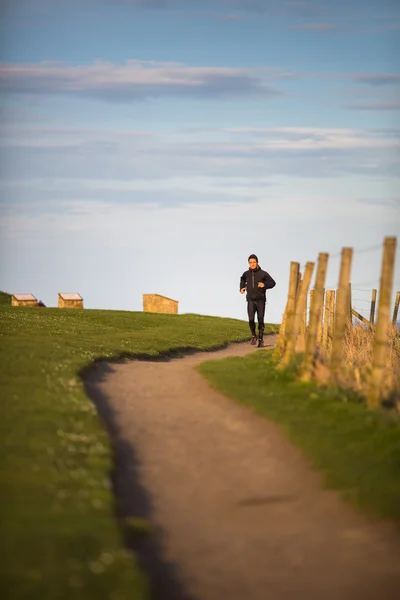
{"points": [[239, 514]]}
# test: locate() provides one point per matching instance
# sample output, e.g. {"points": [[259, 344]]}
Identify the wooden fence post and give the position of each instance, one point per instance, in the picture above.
{"points": [[304, 320], [319, 331], [299, 278], [324, 342], [295, 291], [299, 312], [289, 310], [372, 313], [315, 316], [396, 309], [331, 312], [301, 339], [341, 312], [362, 319], [350, 307], [312, 297], [281, 335], [329, 317], [382, 323]]}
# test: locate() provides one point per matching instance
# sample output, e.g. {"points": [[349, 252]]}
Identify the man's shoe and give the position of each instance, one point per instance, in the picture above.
{"points": [[261, 343], [253, 340]]}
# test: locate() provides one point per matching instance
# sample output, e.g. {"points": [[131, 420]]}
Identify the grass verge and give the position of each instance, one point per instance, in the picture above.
{"points": [[59, 536], [358, 452]]}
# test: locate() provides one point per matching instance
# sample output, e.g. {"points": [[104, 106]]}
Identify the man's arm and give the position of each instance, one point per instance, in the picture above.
{"points": [[243, 282], [268, 281]]}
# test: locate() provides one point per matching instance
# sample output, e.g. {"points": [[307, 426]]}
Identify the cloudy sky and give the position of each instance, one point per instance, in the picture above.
{"points": [[149, 146]]}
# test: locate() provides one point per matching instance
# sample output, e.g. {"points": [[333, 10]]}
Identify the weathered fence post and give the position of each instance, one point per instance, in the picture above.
{"points": [[350, 307], [315, 316], [324, 341], [362, 319], [341, 312], [396, 309], [299, 278], [319, 331], [281, 335], [299, 312], [289, 310], [329, 315], [382, 323], [331, 308], [372, 313], [301, 338], [311, 295]]}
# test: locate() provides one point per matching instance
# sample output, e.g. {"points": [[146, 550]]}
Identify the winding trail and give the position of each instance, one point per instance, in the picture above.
{"points": [[238, 512]]}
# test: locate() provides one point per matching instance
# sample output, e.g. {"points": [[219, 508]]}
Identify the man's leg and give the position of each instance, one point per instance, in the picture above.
{"points": [[251, 312], [260, 315]]}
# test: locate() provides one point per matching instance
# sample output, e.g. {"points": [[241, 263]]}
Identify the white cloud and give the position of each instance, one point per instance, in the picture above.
{"points": [[374, 105], [313, 138], [221, 142], [377, 79], [179, 159], [137, 79]]}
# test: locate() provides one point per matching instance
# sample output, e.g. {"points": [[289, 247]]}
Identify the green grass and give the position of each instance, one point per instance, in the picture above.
{"points": [[358, 452], [59, 536]]}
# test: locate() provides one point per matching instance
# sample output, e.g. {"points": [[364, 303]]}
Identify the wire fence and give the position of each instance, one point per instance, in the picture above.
{"points": [[319, 317], [361, 302]]}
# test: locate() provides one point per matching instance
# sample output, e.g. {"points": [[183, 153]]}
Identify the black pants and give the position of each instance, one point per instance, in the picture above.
{"points": [[253, 307]]}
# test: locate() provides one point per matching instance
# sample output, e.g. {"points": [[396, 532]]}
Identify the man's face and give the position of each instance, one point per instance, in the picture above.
{"points": [[252, 263]]}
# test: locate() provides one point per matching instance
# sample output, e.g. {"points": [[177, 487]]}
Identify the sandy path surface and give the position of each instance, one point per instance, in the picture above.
{"points": [[238, 512]]}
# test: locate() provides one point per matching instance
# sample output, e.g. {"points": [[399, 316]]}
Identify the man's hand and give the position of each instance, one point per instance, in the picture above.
{"points": [[242, 291], [261, 284]]}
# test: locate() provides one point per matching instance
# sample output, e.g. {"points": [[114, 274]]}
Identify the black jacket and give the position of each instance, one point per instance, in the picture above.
{"points": [[250, 279]]}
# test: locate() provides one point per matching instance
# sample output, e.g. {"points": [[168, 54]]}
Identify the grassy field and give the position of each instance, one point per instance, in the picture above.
{"points": [[59, 536], [358, 452]]}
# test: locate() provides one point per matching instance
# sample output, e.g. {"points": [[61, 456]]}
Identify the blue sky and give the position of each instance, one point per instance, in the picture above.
{"points": [[151, 146]]}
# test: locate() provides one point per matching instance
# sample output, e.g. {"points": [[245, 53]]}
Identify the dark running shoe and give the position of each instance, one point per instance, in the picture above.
{"points": [[253, 340], [260, 343]]}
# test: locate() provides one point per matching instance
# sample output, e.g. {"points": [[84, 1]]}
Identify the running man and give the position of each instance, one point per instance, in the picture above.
{"points": [[255, 282]]}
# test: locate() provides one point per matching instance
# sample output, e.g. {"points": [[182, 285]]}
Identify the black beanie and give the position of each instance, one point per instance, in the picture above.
{"points": [[252, 256]]}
